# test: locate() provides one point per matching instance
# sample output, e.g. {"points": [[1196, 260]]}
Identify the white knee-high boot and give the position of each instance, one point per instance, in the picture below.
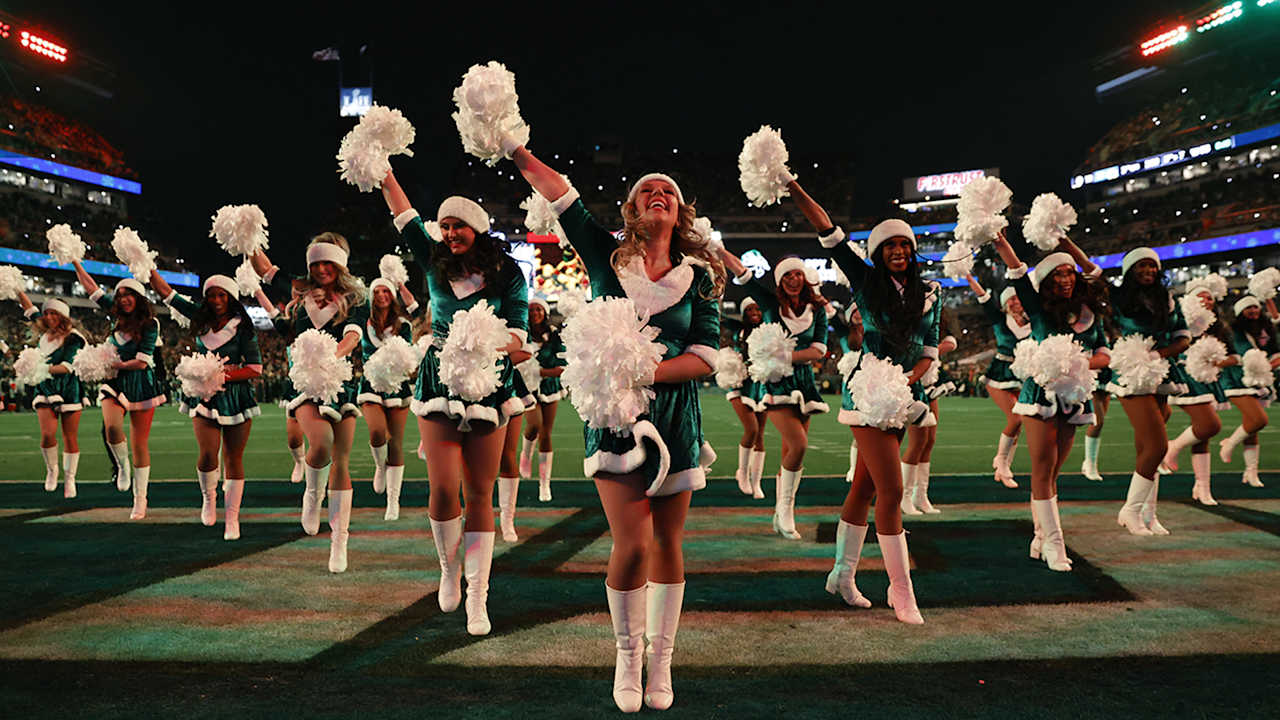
{"points": [[231, 514], [1053, 547], [395, 481], [784, 504], [853, 461], [841, 579], [339, 524], [1185, 439], [1149, 510], [447, 536], [1250, 476], [50, 467], [507, 487], [312, 496], [663, 606], [379, 453], [1131, 513], [921, 498], [299, 460], [897, 562], [757, 472], [141, 478], [477, 559], [1229, 443], [909, 490], [209, 496], [628, 615], [743, 473], [1201, 464], [120, 453], [1089, 468], [526, 456], [544, 476], [70, 463]]}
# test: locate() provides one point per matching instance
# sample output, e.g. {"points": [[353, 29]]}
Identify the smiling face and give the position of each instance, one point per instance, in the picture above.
{"points": [[457, 235], [1062, 281], [896, 253], [218, 300], [656, 202], [127, 301], [1145, 271], [382, 298], [753, 315], [324, 273], [537, 315], [1253, 312], [793, 281], [1014, 306]]}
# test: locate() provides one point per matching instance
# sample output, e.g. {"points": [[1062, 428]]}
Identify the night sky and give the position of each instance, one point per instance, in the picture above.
{"points": [[221, 103]]}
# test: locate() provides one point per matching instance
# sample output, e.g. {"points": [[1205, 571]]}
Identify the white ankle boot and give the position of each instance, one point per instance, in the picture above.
{"points": [[208, 495], [909, 489], [395, 481], [921, 497], [1201, 465], [120, 453], [1053, 547], [141, 478], [70, 463], [544, 476], [756, 469], [312, 496], [897, 562], [849, 540], [339, 524], [507, 487], [784, 504], [50, 467], [1149, 511], [379, 453], [1250, 476], [477, 559], [627, 613], [1131, 513], [447, 536], [1229, 443], [231, 515], [743, 473], [663, 606], [1185, 438], [1000, 463]]}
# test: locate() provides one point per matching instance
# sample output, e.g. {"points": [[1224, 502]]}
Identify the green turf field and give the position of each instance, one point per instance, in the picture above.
{"points": [[103, 617]]}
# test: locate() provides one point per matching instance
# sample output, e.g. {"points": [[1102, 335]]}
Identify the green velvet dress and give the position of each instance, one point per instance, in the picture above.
{"points": [[1008, 333], [369, 344], [238, 343], [133, 389], [1174, 382], [61, 393], [800, 388]]}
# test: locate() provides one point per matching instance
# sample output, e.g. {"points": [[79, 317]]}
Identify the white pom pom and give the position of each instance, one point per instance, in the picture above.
{"points": [[1213, 283], [848, 362], [391, 365], [433, 230], [539, 218], [1061, 366], [392, 269], [133, 251], [470, 357], [731, 371], [611, 357], [1199, 318], [1257, 368], [31, 368], [247, 278], [488, 111], [1203, 357], [182, 320], [363, 154], [240, 229], [880, 391], [202, 374], [317, 372], [769, 349], [1136, 369], [958, 261], [530, 370], [11, 282], [762, 167], [570, 302], [979, 209], [1047, 223], [1024, 356], [65, 246], [95, 363], [1263, 283]]}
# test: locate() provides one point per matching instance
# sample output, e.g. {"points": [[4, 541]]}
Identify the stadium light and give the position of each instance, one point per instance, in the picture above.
{"points": [[1224, 14], [1264, 3], [5, 30], [1164, 40], [42, 46]]}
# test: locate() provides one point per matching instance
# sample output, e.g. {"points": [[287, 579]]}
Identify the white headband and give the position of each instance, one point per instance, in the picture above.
{"points": [[887, 229], [224, 282], [133, 285], [541, 303], [1051, 262], [1245, 303], [382, 282], [468, 211], [1136, 254], [326, 252], [1007, 294], [57, 306], [786, 265], [655, 176]]}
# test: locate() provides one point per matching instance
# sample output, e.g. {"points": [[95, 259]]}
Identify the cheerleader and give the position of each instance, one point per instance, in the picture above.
{"points": [[222, 422], [742, 399], [850, 349], [463, 439], [134, 390], [1058, 300], [791, 401], [541, 419], [329, 299], [1249, 330], [920, 440], [387, 413], [58, 400], [645, 479], [509, 467], [1142, 305], [895, 304], [1200, 401], [1009, 324]]}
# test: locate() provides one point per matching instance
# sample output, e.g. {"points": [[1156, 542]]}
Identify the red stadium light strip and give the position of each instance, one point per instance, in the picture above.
{"points": [[1164, 40], [1224, 14], [41, 46]]}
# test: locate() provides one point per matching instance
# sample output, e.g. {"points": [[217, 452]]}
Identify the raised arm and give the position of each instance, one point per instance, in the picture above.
{"points": [[1005, 251], [397, 201], [547, 182], [407, 299], [813, 212], [732, 263], [1081, 257], [86, 282], [159, 285], [975, 286]]}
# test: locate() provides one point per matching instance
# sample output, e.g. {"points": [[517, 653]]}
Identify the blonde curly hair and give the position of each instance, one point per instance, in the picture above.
{"points": [[684, 242], [346, 292]]}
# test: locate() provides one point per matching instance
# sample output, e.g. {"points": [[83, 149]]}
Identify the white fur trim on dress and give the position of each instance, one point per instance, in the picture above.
{"points": [[556, 396], [854, 418], [1014, 273], [795, 397], [706, 353], [209, 413], [345, 410], [403, 219], [654, 296], [466, 413], [562, 203], [106, 391], [832, 239], [376, 399], [1005, 384], [55, 403], [1046, 411]]}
